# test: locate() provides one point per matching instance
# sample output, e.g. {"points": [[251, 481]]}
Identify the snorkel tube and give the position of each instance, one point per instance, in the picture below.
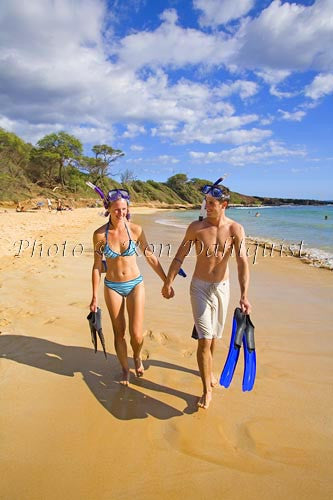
{"points": [[203, 204], [99, 191]]}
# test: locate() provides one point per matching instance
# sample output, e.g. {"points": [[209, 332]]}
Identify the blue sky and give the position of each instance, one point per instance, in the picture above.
{"points": [[202, 87]]}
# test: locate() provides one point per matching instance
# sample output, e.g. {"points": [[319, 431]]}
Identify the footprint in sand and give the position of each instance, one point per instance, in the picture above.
{"points": [[187, 353], [57, 276], [81, 305], [275, 440], [4, 322], [161, 338], [51, 320], [145, 354], [149, 335], [26, 314], [273, 372]]}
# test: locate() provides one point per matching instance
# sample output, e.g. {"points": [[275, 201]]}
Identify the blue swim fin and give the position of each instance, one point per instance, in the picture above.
{"points": [[237, 333], [250, 362]]}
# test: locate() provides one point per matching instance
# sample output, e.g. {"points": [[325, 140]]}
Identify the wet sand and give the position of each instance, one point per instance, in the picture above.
{"points": [[68, 428]]}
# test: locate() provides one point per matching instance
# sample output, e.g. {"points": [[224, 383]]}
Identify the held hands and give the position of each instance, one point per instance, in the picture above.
{"points": [[245, 305], [168, 291]]}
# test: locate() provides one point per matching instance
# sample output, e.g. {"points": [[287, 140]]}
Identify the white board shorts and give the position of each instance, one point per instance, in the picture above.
{"points": [[209, 306]]}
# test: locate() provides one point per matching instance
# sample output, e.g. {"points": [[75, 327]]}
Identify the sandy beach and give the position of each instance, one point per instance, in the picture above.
{"points": [[69, 430]]}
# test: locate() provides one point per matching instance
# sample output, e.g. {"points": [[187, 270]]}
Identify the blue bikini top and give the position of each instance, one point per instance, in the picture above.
{"points": [[111, 254]]}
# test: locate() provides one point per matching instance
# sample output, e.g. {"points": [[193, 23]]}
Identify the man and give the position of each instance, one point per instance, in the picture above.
{"points": [[214, 238]]}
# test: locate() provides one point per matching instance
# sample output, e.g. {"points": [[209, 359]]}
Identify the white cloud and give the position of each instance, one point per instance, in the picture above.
{"points": [[296, 116], [161, 159], [172, 45], [267, 121], [280, 93], [245, 89], [135, 160], [218, 12], [226, 129], [248, 154], [166, 159], [273, 76], [55, 77], [32, 132], [320, 86], [134, 130], [283, 38], [135, 147], [288, 36]]}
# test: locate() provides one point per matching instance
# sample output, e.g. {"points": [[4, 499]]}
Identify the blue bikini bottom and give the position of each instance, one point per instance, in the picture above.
{"points": [[123, 287]]}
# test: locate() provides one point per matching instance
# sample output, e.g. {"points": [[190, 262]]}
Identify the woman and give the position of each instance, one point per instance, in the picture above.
{"points": [[117, 241]]}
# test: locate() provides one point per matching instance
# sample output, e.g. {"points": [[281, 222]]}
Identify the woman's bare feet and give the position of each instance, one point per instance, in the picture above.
{"points": [[125, 378], [213, 380], [205, 400], [139, 369]]}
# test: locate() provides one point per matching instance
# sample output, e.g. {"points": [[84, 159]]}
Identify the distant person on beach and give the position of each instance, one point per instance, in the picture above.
{"points": [[123, 284], [59, 206], [49, 204], [213, 239]]}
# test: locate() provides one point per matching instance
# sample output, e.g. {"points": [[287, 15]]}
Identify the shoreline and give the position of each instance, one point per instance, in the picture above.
{"points": [[38, 220], [315, 257]]}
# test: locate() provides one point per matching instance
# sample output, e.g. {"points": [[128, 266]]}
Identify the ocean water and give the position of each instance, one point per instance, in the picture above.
{"points": [[288, 224]]}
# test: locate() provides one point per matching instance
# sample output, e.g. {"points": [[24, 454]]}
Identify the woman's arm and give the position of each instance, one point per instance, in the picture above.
{"points": [[150, 256], [98, 241]]}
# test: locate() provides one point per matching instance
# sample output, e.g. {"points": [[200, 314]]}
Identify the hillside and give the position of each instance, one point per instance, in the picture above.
{"points": [[56, 168]]}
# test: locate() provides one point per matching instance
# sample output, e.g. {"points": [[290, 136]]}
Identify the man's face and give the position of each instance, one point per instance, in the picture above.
{"points": [[214, 207]]}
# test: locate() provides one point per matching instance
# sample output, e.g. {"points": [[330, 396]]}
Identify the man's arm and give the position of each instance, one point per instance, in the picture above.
{"points": [[182, 252], [243, 268]]}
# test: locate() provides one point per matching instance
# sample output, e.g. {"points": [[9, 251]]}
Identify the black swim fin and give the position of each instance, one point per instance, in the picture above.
{"points": [[95, 324], [195, 333]]}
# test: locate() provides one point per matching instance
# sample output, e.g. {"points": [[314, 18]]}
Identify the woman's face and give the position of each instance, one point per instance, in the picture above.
{"points": [[118, 209]]}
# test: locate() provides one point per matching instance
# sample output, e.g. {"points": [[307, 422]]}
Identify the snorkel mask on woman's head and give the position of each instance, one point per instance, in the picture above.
{"points": [[113, 195], [117, 194]]}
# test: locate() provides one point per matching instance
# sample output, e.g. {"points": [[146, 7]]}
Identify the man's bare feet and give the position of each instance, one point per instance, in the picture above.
{"points": [[213, 380], [139, 369], [205, 400], [125, 378]]}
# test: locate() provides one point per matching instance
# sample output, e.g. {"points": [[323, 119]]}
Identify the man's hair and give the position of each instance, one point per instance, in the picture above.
{"points": [[226, 192]]}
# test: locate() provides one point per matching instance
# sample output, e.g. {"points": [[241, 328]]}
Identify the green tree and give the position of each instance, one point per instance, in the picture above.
{"points": [[43, 167], [67, 148], [14, 153], [177, 181], [104, 156]]}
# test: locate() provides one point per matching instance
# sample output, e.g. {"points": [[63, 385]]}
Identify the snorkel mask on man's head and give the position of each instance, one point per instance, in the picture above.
{"points": [[218, 192], [113, 195]]}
